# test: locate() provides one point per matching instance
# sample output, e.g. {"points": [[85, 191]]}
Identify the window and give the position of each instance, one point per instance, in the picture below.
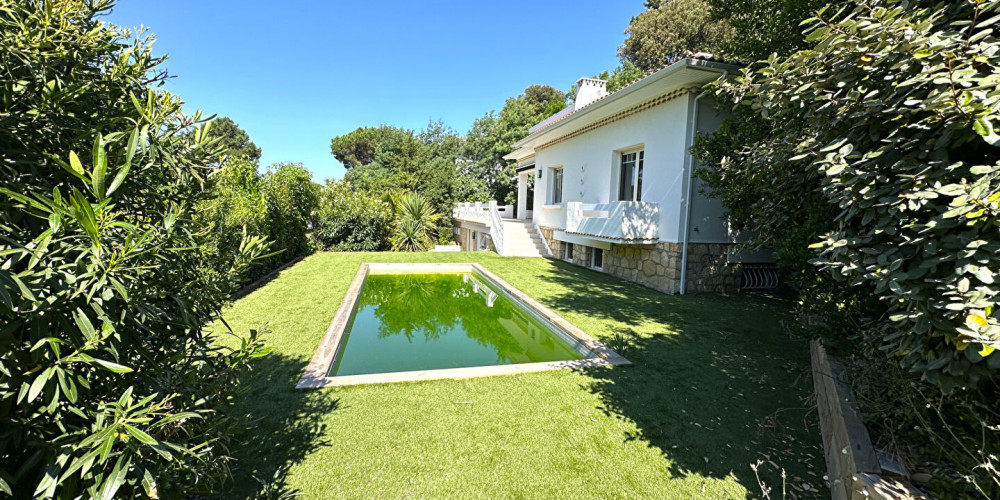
{"points": [[630, 180], [597, 259], [567, 251], [557, 186]]}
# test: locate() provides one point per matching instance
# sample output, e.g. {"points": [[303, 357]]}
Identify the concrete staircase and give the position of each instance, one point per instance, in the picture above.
{"points": [[522, 240]]}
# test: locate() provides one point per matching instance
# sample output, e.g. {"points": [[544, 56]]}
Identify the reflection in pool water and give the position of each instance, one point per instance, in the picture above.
{"points": [[405, 322]]}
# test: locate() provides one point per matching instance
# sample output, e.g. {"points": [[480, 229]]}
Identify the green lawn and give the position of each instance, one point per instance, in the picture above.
{"points": [[716, 385]]}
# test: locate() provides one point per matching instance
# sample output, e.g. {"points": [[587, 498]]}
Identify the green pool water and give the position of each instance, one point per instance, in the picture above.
{"points": [[404, 322]]}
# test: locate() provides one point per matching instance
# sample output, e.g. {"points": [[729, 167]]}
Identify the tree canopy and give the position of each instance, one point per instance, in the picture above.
{"points": [[763, 26], [233, 140], [668, 30], [359, 146], [493, 135]]}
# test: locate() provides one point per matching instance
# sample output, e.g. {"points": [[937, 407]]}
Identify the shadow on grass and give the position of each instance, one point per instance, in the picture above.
{"points": [[284, 425], [716, 384]]}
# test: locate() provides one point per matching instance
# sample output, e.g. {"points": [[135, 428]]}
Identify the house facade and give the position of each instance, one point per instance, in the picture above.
{"points": [[608, 184]]}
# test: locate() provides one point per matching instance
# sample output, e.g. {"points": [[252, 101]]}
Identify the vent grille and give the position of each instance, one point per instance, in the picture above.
{"points": [[759, 277]]}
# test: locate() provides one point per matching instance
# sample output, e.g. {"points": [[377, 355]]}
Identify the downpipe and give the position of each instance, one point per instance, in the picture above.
{"points": [[686, 234]]}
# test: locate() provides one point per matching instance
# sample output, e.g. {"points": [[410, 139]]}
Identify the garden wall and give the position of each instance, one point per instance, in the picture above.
{"points": [[853, 468]]}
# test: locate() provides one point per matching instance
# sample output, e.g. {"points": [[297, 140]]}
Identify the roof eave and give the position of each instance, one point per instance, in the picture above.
{"points": [[697, 64]]}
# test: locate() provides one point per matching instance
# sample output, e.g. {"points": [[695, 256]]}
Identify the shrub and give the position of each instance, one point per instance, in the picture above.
{"points": [[109, 385], [352, 221], [889, 122], [292, 201], [237, 207], [415, 225]]}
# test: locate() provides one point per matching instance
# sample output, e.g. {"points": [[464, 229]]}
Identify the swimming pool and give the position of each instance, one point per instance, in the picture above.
{"points": [[403, 322]]}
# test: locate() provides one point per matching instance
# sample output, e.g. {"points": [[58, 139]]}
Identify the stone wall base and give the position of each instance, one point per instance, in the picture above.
{"points": [[659, 266]]}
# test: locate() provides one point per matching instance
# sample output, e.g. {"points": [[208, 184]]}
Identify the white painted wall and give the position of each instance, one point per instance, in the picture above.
{"points": [[707, 222], [591, 171]]}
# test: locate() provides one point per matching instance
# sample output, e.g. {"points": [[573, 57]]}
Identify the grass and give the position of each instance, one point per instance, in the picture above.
{"points": [[716, 385]]}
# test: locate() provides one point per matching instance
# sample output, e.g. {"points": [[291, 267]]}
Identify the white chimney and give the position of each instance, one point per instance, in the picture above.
{"points": [[589, 90]]}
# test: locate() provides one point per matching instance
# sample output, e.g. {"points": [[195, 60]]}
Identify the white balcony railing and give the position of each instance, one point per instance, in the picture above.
{"points": [[490, 215], [624, 221], [475, 212], [480, 212]]}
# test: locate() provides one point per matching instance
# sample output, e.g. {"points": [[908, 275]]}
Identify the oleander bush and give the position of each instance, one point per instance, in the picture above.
{"points": [[110, 386]]}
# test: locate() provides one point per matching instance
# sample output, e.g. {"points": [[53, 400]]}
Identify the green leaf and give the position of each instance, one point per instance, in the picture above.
{"points": [[38, 384], [140, 435], [5, 297], [985, 275], [177, 416], [148, 483], [119, 287], [85, 216], [133, 143], [47, 486], [818, 34], [100, 168], [835, 144], [119, 179], [40, 248], [76, 167], [107, 444], [115, 367], [115, 479], [923, 53], [81, 463], [83, 324]]}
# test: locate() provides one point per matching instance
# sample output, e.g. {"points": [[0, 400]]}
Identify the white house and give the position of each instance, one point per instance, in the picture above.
{"points": [[607, 183]]}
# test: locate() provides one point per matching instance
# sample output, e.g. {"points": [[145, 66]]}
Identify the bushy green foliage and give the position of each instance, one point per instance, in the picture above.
{"points": [[888, 123], [237, 206], [109, 385], [292, 201], [423, 161], [669, 30], [349, 220], [763, 27], [279, 206], [622, 76]]}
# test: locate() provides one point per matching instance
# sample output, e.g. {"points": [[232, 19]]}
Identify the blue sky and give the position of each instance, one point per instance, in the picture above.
{"points": [[296, 73]]}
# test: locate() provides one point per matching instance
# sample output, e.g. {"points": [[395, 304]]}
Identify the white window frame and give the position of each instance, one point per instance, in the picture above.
{"points": [[567, 251], [637, 171], [552, 185], [593, 258]]}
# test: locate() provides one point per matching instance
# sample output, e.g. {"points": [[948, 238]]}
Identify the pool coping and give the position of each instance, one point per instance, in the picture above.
{"points": [[315, 375]]}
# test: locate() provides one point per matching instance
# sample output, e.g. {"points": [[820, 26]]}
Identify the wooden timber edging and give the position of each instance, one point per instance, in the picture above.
{"points": [[853, 469], [243, 292]]}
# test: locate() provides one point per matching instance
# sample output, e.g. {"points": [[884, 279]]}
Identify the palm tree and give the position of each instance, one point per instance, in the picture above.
{"points": [[416, 223]]}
